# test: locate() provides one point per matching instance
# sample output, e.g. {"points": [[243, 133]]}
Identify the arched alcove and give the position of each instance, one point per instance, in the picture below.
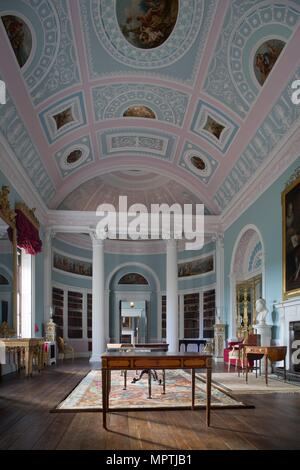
{"points": [[247, 279], [133, 282]]}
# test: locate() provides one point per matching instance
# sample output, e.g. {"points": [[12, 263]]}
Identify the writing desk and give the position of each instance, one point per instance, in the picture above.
{"points": [[157, 360], [271, 353]]}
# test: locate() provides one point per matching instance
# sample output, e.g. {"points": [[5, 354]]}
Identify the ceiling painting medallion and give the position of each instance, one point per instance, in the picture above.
{"points": [[139, 112], [74, 156], [265, 58], [147, 23], [19, 36], [63, 118], [198, 163], [213, 127]]}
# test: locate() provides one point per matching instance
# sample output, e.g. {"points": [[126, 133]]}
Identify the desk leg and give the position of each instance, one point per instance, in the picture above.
{"points": [[284, 367], [239, 362], [104, 397], [193, 389], [246, 368], [125, 380], [27, 359], [208, 395], [149, 383], [164, 381], [266, 368]]}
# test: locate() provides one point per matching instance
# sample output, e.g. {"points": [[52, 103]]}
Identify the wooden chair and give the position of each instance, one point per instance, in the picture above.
{"points": [[64, 349]]}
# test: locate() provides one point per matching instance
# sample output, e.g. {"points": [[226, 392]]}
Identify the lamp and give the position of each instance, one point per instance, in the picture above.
{"points": [[131, 304]]}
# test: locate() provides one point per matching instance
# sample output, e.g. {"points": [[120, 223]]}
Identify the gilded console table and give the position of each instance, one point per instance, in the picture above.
{"points": [[271, 353], [156, 360], [30, 347]]}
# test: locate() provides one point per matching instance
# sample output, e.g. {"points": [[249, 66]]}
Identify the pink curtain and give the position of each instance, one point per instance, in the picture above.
{"points": [[28, 236]]}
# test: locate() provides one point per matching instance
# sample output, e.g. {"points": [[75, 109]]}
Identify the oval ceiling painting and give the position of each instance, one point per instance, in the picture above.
{"points": [[19, 36], [74, 156], [147, 23], [139, 112], [198, 163], [266, 57]]}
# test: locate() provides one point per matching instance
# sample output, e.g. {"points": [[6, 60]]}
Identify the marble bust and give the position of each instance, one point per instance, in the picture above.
{"points": [[261, 312]]}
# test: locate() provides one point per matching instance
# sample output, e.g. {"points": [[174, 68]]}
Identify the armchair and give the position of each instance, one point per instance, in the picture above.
{"points": [[64, 349], [233, 355]]}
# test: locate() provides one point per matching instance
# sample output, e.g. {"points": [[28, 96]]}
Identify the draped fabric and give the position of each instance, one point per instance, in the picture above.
{"points": [[28, 236]]}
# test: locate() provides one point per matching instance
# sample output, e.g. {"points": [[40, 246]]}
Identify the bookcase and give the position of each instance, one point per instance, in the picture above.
{"points": [[191, 315], [209, 309], [58, 310], [163, 317], [75, 306], [89, 320]]}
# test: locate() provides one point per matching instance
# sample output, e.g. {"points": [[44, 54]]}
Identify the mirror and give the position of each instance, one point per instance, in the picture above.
{"points": [[8, 263]]}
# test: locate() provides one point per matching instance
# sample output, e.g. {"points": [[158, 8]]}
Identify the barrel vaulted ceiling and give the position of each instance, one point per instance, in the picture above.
{"points": [[165, 101]]}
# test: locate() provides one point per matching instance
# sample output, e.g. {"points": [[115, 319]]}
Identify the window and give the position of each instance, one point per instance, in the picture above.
{"points": [[25, 296]]}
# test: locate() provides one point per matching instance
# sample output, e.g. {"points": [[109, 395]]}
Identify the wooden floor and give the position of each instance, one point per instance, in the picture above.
{"points": [[26, 423]]}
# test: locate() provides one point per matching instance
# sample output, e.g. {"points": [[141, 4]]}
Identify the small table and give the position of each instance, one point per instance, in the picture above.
{"points": [[30, 347], [156, 360], [273, 353], [186, 342]]}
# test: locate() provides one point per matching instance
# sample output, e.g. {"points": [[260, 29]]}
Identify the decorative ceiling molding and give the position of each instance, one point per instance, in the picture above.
{"points": [[273, 167], [14, 172], [111, 101], [283, 117]]}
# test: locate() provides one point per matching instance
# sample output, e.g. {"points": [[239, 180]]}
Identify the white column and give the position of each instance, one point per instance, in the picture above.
{"points": [[219, 240], [172, 296], [98, 331], [48, 274]]}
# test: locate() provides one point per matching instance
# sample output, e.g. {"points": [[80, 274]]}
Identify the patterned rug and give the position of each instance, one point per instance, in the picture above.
{"points": [[234, 384], [87, 395]]}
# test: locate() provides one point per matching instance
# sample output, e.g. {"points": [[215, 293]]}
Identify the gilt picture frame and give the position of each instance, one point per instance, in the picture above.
{"points": [[290, 199]]}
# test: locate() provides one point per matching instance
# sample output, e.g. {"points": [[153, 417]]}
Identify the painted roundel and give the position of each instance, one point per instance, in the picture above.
{"points": [[266, 57], [139, 112], [198, 163], [19, 36], [147, 23], [74, 156], [147, 33]]}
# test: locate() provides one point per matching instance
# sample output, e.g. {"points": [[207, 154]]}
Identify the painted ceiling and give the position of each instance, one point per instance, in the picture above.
{"points": [[161, 100]]}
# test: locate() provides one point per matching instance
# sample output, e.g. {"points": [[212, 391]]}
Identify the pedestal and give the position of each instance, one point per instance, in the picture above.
{"points": [[265, 332], [219, 335]]}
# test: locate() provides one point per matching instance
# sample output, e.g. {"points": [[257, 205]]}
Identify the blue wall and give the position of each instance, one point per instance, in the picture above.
{"points": [[39, 261], [265, 213]]}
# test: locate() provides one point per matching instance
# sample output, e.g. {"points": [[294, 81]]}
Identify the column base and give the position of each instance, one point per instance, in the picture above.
{"points": [[95, 362]]}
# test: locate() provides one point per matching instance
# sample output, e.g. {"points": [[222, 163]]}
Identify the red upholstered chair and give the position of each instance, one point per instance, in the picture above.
{"points": [[232, 345], [233, 354]]}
